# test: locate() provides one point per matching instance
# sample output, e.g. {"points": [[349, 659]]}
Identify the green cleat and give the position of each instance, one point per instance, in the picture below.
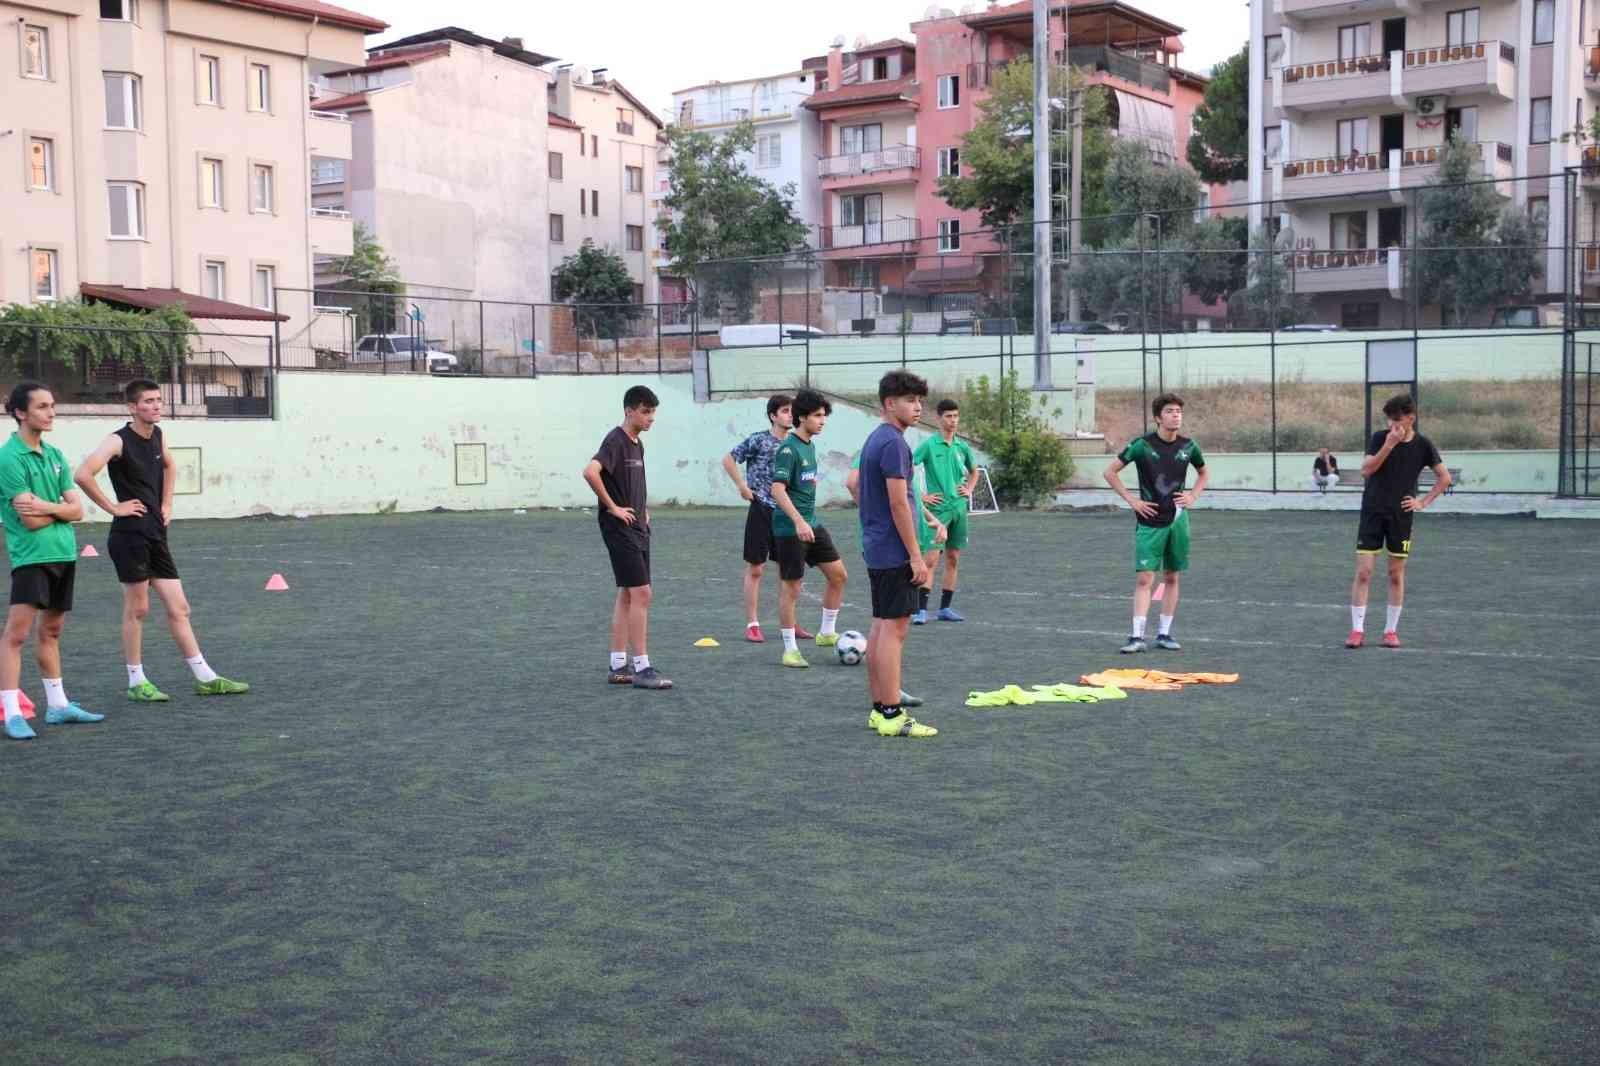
{"points": [[901, 725], [827, 640], [220, 686], [795, 659], [145, 692]]}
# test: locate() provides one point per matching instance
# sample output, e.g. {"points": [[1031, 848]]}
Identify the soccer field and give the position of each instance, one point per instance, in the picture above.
{"points": [[433, 834]]}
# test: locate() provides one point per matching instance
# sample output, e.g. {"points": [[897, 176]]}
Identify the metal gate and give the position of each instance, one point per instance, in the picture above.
{"points": [[1578, 473]]}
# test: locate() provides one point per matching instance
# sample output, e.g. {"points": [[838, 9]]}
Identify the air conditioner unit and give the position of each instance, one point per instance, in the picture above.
{"points": [[1430, 105]]}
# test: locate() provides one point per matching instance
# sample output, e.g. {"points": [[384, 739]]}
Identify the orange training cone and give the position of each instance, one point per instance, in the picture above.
{"points": [[276, 583], [88, 552], [26, 704]]}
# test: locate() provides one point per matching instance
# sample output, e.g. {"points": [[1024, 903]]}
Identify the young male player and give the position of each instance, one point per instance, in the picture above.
{"points": [[142, 475], [38, 506], [1161, 529], [616, 474], [801, 540], [930, 531], [1388, 502], [757, 452], [895, 565], [951, 473]]}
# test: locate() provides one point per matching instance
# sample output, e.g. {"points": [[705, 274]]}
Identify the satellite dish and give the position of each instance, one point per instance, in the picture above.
{"points": [[580, 75], [861, 40], [932, 12], [838, 42]]}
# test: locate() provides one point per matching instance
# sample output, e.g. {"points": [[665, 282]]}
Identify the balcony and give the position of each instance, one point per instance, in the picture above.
{"points": [[1370, 174], [1589, 171], [1129, 68], [1358, 270], [1591, 68], [1483, 67], [1295, 11], [1591, 261], [883, 166], [718, 115], [867, 234], [332, 231], [328, 134], [982, 75]]}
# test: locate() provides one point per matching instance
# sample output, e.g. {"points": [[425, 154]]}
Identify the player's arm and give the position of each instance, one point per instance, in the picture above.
{"points": [[87, 478], [1372, 463], [1113, 476], [941, 532], [780, 496], [920, 458], [852, 485], [1189, 497], [591, 474], [905, 523], [169, 484], [736, 475], [1441, 482]]}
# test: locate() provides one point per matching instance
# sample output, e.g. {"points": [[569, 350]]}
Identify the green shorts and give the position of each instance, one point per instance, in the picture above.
{"points": [[1162, 547], [955, 525]]}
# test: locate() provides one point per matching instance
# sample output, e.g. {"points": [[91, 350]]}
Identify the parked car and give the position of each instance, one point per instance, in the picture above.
{"points": [[759, 334], [403, 348], [1312, 327], [1543, 316], [1081, 327]]}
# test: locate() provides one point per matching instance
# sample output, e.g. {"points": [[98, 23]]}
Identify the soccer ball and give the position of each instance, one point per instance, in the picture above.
{"points": [[852, 647]]}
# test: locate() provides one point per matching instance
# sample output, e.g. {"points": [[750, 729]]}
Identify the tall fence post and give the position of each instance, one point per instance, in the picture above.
{"points": [[808, 323], [483, 347], [533, 340], [659, 365]]}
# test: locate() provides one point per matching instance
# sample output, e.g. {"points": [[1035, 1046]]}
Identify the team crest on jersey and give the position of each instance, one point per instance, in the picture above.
{"points": [[1182, 455]]}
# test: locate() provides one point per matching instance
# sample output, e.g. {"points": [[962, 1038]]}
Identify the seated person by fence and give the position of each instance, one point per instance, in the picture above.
{"points": [[1325, 470]]}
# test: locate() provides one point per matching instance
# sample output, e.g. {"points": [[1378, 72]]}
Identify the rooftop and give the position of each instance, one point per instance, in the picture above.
{"points": [[196, 306], [864, 92], [316, 9], [510, 47]]}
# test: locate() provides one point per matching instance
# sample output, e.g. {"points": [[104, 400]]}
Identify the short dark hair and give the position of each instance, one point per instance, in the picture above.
{"points": [[639, 396], [21, 396], [777, 402], [137, 388], [1400, 406], [809, 402], [1166, 399], [946, 405], [901, 383]]}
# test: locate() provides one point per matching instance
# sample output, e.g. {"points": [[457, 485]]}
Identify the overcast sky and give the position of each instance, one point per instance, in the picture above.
{"points": [[654, 47]]}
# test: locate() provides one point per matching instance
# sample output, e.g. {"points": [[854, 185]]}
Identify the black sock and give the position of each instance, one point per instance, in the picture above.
{"points": [[945, 597], [922, 599], [877, 706], [891, 711]]}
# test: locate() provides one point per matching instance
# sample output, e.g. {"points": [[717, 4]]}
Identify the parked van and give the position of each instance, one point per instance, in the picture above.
{"points": [[764, 334], [403, 348]]}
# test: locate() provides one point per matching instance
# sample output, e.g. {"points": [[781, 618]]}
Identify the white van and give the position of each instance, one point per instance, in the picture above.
{"points": [[402, 348], [765, 334]]}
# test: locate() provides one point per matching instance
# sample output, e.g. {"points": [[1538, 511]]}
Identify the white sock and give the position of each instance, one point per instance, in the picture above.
{"points": [[1358, 618], [202, 672], [55, 694], [619, 659], [641, 663], [12, 699], [135, 675], [1392, 618], [1138, 627], [754, 623], [828, 620], [788, 639], [1166, 625]]}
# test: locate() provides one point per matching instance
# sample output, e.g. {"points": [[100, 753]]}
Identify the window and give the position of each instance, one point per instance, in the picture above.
{"points": [[118, 10], [210, 183], [1202, 210], [633, 178], [580, 145], [949, 90], [124, 102], [555, 164], [594, 202], [264, 286], [862, 210], [625, 121], [41, 163], [635, 238], [949, 235], [853, 140], [1355, 41], [260, 87], [1272, 48], [1544, 21], [583, 204], [1358, 316], [861, 274], [127, 209], [1540, 115], [594, 145], [1461, 27], [558, 229], [214, 279], [769, 150], [638, 293], [1539, 213], [261, 191], [35, 52], [327, 172], [1272, 146], [949, 162], [44, 274], [1347, 231], [208, 80], [1352, 136], [1462, 122], [877, 69]]}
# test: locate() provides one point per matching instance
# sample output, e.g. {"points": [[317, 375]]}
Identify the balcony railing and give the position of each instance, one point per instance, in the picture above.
{"points": [[857, 236], [1336, 259], [1456, 53], [329, 212], [1358, 162], [1416, 57], [1335, 68], [329, 116], [693, 117], [625, 128], [1122, 65], [982, 74], [898, 157]]}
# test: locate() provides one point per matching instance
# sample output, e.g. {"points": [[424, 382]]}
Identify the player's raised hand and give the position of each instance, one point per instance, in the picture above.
{"points": [[933, 499], [624, 514], [1397, 435], [1144, 508]]}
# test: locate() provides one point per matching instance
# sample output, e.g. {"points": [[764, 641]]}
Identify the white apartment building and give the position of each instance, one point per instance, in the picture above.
{"points": [[603, 146], [159, 152], [1355, 99]]}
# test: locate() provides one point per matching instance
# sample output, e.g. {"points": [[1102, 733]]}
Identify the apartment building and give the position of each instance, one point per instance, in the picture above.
{"points": [[603, 146], [1356, 100], [161, 151]]}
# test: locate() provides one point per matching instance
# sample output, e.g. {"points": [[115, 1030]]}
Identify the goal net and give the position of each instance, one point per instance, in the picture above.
{"points": [[984, 501]]}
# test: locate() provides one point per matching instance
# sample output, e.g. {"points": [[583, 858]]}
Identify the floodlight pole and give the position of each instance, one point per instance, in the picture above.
{"points": [[1042, 236]]}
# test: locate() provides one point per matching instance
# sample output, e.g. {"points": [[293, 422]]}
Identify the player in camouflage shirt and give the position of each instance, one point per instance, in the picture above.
{"points": [[757, 452]]}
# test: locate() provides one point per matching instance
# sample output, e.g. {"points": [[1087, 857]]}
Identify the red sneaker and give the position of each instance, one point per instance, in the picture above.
{"points": [[800, 633], [1355, 639], [1391, 639], [752, 633]]}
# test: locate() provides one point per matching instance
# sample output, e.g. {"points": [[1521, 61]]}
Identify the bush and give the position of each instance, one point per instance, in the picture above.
{"points": [[1521, 434], [1009, 423]]}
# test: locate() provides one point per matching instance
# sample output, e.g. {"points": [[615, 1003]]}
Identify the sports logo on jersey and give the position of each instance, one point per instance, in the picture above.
{"points": [[808, 475], [1182, 455]]}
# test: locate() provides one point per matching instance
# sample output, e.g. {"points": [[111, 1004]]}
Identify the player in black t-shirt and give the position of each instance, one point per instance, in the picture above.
{"points": [[1388, 502], [616, 474]]}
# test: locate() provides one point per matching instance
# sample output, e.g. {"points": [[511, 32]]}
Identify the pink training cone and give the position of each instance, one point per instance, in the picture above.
{"points": [[88, 552], [276, 583]]}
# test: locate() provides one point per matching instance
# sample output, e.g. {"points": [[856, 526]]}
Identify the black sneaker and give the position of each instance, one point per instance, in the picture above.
{"points": [[1165, 642], [1135, 644], [648, 678], [623, 675]]}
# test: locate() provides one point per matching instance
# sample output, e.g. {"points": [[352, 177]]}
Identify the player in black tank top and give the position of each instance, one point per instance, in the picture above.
{"points": [[141, 475]]}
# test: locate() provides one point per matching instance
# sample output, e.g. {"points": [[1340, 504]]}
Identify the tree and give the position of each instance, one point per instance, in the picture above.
{"points": [[1269, 300], [368, 269], [1134, 185], [1127, 278], [70, 333], [1473, 250], [1219, 147], [718, 211], [1009, 422], [597, 280], [1214, 262]]}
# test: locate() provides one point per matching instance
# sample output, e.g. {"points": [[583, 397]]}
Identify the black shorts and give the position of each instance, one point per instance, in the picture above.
{"points": [[759, 543], [893, 594], [794, 554], [630, 557], [141, 558], [47, 586], [1385, 531]]}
